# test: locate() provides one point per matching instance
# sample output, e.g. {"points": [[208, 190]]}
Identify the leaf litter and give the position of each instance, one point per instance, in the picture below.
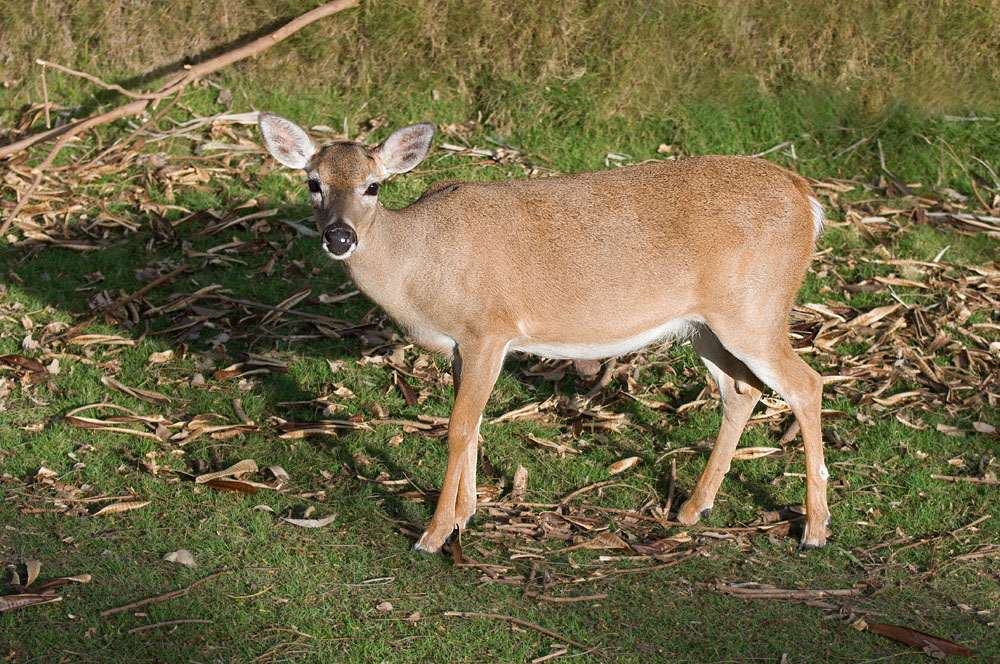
{"points": [[26, 596]]}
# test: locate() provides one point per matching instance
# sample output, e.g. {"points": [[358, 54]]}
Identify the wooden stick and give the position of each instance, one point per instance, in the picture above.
{"points": [[171, 622], [45, 100], [94, 79], [577, 598], [589, 487], [128, 139], [261, 44], [158, 598], [652, 568], [71, 128], [781, 593], [516, 621], [975, 480]]}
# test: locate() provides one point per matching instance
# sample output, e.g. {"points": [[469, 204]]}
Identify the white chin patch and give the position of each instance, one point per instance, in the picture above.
{"points": [[341, 257]]}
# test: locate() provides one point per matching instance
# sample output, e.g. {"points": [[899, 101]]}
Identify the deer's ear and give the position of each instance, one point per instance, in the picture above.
{"points": [[286, 141], [406, 147]]}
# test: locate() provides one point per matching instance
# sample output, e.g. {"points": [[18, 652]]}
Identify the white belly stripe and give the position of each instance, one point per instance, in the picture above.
{"points": [[676, 327]]}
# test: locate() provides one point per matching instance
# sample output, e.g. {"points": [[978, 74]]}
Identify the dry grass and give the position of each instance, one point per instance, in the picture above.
{"points": [[643, 57]]}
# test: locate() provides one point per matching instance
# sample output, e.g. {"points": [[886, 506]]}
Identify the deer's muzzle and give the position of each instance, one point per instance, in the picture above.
{"points": [[339, 239]]}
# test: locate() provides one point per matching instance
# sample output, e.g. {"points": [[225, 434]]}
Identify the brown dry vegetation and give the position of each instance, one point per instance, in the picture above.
{"points": [[647, 56]]}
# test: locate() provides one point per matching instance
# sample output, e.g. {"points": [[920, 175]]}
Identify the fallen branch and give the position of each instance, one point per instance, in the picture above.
{"points": [[159, 598], [516, 621], [172, 87]]}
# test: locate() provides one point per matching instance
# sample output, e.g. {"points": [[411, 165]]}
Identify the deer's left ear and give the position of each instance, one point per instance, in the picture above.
{"points": [[406, 147], [286, 141]]}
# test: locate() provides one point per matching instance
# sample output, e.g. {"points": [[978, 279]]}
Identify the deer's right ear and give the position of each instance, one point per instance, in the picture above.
{"points": [[286, 141]]}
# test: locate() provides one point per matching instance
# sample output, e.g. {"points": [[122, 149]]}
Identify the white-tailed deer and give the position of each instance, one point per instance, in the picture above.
{"points": [[580, 267]]}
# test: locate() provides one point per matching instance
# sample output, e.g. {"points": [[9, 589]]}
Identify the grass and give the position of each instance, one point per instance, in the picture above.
{"points": [[576, 84]]}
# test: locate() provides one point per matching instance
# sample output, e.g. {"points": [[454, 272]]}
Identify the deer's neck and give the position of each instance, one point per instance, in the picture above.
{"points": [[381, 267]]}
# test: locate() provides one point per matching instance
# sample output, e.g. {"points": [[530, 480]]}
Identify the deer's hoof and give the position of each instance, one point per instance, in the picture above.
{"points": [[689, 514]]}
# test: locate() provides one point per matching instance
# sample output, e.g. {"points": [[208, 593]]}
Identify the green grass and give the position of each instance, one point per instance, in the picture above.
{"points": [[578, 82]]}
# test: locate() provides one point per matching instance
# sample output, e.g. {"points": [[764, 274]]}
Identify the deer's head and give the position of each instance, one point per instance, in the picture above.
{"points": [[344, 178]]}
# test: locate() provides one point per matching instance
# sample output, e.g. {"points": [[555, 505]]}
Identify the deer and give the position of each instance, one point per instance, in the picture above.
{"points": [[711, 249]]}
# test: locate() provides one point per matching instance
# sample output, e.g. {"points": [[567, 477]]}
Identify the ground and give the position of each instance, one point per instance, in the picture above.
{"points": [[164, 315]]}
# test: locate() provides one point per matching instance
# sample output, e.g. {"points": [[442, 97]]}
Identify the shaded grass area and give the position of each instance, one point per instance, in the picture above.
{"points": [[576, 84]]}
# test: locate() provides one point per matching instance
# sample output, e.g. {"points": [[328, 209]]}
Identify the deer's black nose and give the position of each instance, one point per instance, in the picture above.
{"points": [[339, 238]]}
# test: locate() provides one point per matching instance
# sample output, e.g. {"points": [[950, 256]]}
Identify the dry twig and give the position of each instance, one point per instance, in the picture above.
{"points": [[160, 598], [516, 621]]}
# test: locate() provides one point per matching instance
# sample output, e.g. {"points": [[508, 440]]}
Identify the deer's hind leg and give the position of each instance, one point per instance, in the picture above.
{"points": [[767, 353], [740, 390]]}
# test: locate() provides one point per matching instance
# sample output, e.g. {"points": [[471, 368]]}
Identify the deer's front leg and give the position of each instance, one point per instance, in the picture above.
{"points": [[480, 365]]}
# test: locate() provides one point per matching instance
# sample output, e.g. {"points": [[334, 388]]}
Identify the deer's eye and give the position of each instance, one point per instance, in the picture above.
{"points": [[372, 189], [313, 186]]}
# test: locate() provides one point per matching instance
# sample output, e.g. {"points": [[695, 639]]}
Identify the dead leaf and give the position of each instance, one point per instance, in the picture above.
{"points": [[240, 467], [11, 602], [115, 508], [23, 362], [62, 581], [235, 486], [875, 315], [749, 453], [281, 477], [552, 446], [98, 425], [623, 465], [162, 357], [29, 345], [341, 391], [520, 487], [148, 396], [100, 339], [33, 567], [409, 396], [181, 557], [917, 638], [302, 523], [603, 540]]}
